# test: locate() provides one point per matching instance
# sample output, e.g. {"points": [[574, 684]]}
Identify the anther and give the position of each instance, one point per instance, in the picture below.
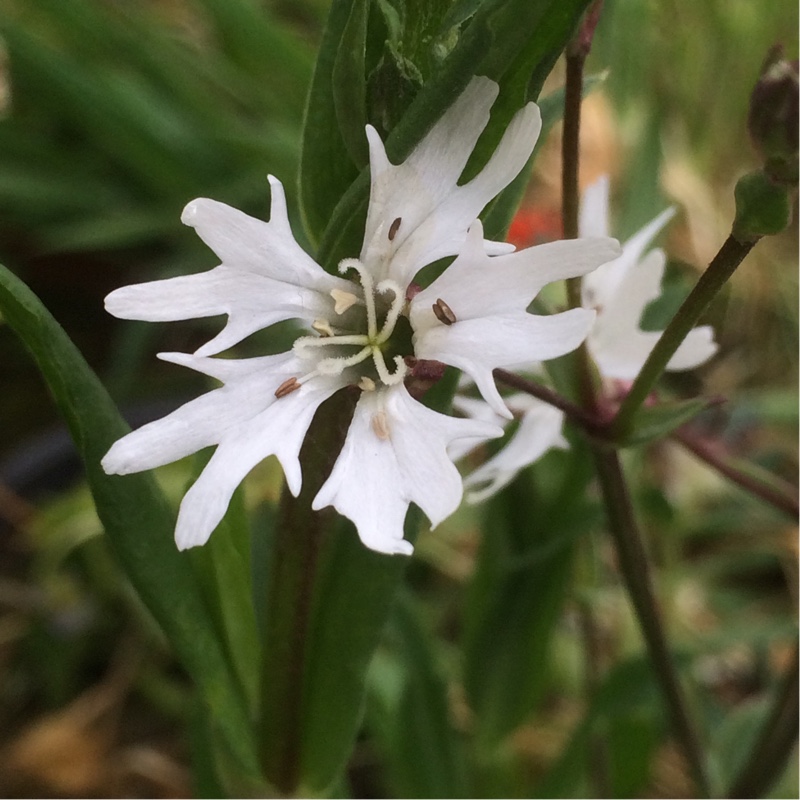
{"points": [[380, 425], [287, 387], [393, 228], [322, 327], [443, 312], [366, 384], [342, 300]]}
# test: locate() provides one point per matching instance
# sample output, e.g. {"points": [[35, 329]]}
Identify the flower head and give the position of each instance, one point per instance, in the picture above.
{"points": [[618, 291], [363, 327]]}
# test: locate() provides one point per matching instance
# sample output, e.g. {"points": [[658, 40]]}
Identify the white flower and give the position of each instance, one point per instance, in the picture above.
{"points": [[362, 330], [620, 290]]}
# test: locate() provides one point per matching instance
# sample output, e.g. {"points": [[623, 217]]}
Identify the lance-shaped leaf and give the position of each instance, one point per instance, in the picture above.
{"points": [[326, 169], [517, 594], [655, 422], [137, 519], [409, 712], [349, 83]]}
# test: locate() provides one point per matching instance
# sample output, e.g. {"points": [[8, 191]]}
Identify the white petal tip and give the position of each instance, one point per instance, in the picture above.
{"points": [[109, 466], [191, 535], [397, 548], [190, 213], [503, 410]]}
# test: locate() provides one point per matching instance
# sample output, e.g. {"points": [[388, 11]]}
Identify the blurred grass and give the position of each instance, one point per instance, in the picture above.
{"points": [[117, 114]]}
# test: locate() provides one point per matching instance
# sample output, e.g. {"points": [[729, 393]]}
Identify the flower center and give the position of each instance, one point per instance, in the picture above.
{"points": [[371, 345]]}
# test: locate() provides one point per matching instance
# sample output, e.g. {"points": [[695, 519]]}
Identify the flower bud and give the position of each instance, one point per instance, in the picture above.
{"points": [[763, 207], [773, 117]]}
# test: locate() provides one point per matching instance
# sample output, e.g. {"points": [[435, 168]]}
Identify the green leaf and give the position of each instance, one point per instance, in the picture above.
{"points": [[655, 422], [628, 691], [326, 169], [517, 593], [349, 83], [225, 575], [410, 715], [515, 43], [137, 519]]}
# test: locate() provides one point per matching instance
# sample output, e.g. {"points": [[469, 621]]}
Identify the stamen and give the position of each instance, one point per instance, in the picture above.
{"points": [[305, 342], [369, 291], [394, 311], [322, 327], [287, 387], [366, 384], [380, 425], [443, 312], [393, 228], [342, 301], [336, 366], [389, 378]]}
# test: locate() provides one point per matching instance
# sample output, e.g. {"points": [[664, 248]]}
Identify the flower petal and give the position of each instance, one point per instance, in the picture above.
{"points": [[252, 245], [245, 420], [476, 285], [395, 454], [489, 297], [695, 349], [601, 286], [422, 192], [618, 344], [252, 303], [279, 431], [476, 409], [479, 346], [594, 214], [265, 277], [539, 431]]}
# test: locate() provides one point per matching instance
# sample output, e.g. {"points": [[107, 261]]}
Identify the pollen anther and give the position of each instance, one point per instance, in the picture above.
{"points": [[287, 387], [342, 301], [380, 425], [322, 327], [443, 312], [393, 228]]}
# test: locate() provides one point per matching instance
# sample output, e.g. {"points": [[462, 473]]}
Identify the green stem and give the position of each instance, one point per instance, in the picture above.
{"points": [[635, 570], [570, 159], [570, 198], [731, 254], [585, 419], [770, 488], [774, 745], [293, 570]]}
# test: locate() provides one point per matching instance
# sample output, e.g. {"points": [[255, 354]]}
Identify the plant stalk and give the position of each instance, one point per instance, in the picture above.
{"points": [[635, 568], [778, 493], [774, 745], [293, 569]]}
